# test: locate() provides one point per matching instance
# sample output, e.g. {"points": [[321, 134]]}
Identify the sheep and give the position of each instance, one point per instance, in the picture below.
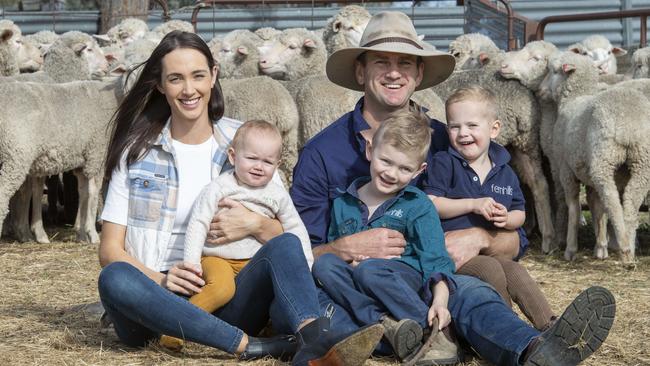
{"points": [[27, 56], [344, 29], [473, 51], [601, 51], [43, 39], [158, 33], [265, 98], [127, 31], [296, 53], [41, 139], [268, 35], [596, 136], [640, 60], [8, 64], [237, 54], [519, 114]]}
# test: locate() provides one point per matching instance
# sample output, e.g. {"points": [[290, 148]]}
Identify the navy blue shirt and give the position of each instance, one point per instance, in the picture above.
{"points": [[331, 160], [450, 176], [410, 212]]}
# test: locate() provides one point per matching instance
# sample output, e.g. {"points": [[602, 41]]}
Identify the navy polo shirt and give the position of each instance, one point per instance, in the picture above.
{"points": [[331, 160], [451, 176], [411, 213]]}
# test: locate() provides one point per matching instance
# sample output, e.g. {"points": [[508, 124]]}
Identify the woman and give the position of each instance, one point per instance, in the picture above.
{"points": [[169, 138]]}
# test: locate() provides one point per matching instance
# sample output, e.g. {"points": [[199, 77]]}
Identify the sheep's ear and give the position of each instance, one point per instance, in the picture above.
{"points": [[618, 51], [242, 50], [119, 70], [575, 48], [101, 37], [336, 26], [483, 58], [568, 68], [110, 57], [78, 48], [6, 35], [309, 43]]}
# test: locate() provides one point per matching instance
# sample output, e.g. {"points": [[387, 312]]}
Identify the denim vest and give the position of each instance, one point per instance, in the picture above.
{"points": [[153, 188]]}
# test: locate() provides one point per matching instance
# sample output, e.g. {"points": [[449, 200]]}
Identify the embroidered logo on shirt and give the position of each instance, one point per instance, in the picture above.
{"points": [[396, 213], [502, 190]]}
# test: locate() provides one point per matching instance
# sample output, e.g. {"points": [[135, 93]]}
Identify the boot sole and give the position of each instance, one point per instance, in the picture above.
{"points": [[353, 350], [407, 338], [578, 333]]}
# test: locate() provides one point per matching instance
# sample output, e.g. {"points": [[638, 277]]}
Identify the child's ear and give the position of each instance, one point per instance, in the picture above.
{"points": [[423, 167], [231, 156], [496, 127], [368, 150]]}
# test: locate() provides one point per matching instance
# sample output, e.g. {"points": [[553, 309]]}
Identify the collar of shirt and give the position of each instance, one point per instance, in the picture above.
{"points": [[498, 154], [359, 124], [353, 190]]}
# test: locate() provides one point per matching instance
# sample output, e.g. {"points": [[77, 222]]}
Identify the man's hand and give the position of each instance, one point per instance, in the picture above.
{"points": [[373, 243], [465, 244], [232, 222]]}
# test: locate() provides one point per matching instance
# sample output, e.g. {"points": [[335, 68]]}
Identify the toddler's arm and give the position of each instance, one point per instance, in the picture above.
{"points": [[438, 307], [509, 220], [197, 228], [452, 207], [291, 223]]}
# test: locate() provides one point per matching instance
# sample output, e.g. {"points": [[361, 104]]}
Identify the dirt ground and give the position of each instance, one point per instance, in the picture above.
{"points": [[45, 287]]}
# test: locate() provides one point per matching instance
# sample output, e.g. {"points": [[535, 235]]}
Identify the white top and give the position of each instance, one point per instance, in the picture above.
{"points": [[271, 200]]}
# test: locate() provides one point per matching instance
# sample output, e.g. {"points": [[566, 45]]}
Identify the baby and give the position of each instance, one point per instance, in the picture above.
{"points": [[255, 155]]}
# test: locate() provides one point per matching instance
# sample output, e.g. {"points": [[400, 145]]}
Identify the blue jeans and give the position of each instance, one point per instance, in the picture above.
{"points": [[373, 288], [479, 316], [276, 284]]}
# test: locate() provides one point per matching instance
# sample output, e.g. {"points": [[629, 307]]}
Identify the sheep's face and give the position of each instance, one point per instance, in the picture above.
{"points": [[549, 89], [603, 56], [351, 30], [528, 65], [284, 53], [28, 56], [94, 56], [640, 64], [389, 79]]}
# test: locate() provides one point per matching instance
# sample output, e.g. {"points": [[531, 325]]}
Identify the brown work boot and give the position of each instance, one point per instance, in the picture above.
{"points": [[440, 348], [404, 336]]}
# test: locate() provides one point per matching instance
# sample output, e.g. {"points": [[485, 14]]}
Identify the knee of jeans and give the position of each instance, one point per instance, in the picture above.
{"points": [[283, 245], [115, 282], [326, 265], [468, 287], [367, 273]]}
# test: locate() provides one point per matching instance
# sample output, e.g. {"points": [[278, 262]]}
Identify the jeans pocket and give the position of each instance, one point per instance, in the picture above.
{"points": [[146, 196]]}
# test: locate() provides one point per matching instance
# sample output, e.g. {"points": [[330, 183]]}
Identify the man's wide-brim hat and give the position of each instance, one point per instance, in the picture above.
{"points": [[390, 31]]}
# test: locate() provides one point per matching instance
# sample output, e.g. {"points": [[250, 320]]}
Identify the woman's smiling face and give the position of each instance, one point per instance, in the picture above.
{"points": [[186, 82]]}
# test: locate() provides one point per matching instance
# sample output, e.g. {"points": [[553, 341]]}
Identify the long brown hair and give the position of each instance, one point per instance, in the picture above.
{"points": [[143, 112]]}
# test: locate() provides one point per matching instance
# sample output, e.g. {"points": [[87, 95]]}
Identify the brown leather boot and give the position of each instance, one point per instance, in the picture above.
{"points": [[404, 336]]}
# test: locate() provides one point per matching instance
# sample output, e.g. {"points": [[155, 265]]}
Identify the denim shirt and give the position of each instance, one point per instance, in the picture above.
{"points": [[153, 188], [410, 212]]}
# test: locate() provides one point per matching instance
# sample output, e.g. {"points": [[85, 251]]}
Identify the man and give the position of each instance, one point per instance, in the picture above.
{"points": [[388, 67]]}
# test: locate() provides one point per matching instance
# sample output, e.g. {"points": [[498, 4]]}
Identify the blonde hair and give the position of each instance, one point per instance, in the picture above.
{"points": [[257, 125], [478, 94], [407, 131]]}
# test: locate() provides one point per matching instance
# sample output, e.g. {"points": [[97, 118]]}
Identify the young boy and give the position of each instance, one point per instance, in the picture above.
{"points": [[473, 185], [391, 291], [255, 155]]}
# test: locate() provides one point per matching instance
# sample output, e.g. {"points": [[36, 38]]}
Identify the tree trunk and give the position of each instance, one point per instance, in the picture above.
{"points": [[114, 11]]}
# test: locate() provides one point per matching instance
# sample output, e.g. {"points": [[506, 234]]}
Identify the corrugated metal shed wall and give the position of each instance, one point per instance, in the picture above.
{"points": [[439, 24]]}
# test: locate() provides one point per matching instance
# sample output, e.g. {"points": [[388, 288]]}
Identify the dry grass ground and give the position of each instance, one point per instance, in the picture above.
{"points": [[42, 287]]}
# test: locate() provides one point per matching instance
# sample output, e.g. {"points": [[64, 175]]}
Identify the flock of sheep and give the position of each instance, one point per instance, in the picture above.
{"points": [[568, 106]]}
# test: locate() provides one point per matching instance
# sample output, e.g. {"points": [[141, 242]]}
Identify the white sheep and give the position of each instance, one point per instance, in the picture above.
{"points": [[125, 32], [8, 64], [344, 29], [159, 32], [640, 60], [520, 116], [268, 35], [600, 51], [43, 39], [27, 56], [41, 139], [264, 98], [596, 135], [473, 51], [295, 54], [237, 54]]}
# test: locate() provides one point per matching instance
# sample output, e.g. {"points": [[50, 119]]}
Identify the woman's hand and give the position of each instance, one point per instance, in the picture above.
{"points": [[232, 222], [184, 278]]}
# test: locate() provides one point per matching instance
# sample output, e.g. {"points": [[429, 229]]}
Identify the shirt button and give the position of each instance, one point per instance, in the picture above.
{"points": [[475, 179], [145, 183], [464, 163]]}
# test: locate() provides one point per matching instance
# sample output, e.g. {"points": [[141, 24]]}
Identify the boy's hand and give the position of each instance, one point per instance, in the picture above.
{"points": [[440, 312], [484, 207], [499, 215]]}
